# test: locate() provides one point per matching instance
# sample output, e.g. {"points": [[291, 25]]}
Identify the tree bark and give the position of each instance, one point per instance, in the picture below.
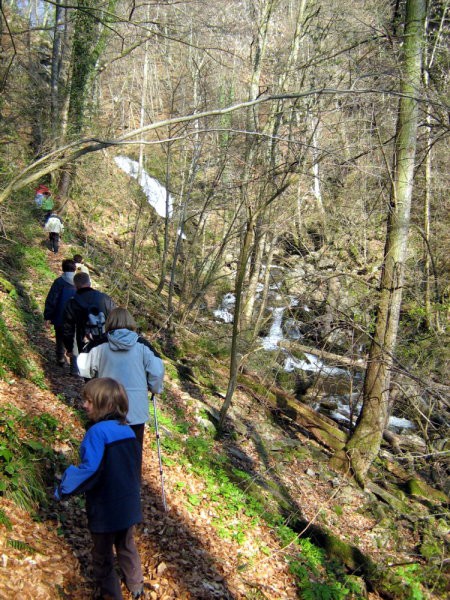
{"points": [[364, 444]]}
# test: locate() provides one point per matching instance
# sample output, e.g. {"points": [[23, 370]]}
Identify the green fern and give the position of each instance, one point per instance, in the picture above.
{"points": [[311, 554], [5, 520], [22, 546]]}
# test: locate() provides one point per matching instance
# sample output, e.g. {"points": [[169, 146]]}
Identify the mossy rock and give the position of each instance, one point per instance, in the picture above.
{"points": [[420, 489], [392, 500], [6, 286], [373, 509]]}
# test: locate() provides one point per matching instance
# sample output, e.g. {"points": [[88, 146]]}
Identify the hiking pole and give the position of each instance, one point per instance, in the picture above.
{"points": [[158, 445]]}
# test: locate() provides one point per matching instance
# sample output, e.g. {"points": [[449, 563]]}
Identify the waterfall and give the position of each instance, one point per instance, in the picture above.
{"points": [[270, 342], [223, 312], [154, 191]]}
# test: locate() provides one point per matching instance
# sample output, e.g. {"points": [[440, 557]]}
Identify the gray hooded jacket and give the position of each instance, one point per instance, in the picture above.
{"points": [[132, 364]]}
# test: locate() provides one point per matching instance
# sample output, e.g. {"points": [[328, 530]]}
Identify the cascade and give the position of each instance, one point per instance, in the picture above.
{"points": [[154, 191], [330, 376]]}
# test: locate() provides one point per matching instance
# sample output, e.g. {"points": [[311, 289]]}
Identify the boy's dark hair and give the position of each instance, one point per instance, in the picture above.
{"points": [[108, 398], [81, 280], [78, 258], [68, 265]]}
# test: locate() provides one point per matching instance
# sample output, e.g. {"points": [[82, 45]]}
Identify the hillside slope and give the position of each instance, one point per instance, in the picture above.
{"points": [[253, 514]]}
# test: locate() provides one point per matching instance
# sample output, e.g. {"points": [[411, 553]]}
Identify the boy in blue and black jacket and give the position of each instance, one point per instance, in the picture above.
{"points": [[109, 475], [61, 291]]}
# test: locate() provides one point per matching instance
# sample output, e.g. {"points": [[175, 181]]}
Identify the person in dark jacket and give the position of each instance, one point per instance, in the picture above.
{"points": [[109, 475], [61, 291], [75, 315]]}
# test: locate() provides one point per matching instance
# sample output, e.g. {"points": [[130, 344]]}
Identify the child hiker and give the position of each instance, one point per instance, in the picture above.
{"points": [[109, 474]]}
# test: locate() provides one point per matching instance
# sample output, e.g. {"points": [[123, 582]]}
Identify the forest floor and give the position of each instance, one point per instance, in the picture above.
{"points": [[182, 552]]}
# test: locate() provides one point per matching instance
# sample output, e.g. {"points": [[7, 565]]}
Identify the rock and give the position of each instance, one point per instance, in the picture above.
{"points": [[206, 424], [346, 495], [417, 487], [239, 455]]}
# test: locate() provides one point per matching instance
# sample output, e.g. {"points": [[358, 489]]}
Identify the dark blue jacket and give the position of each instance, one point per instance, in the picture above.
{"points": [[60, 292], [109, 474]]}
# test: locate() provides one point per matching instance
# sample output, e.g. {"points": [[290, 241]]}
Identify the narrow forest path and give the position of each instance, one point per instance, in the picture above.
{"points": [[182, 555], [198, 550]]}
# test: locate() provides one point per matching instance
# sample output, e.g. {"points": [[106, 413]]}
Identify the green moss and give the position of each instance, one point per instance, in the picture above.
{"points": [[171, 371], [6, 286], [420, 489], [25, 453], [11, 359]]}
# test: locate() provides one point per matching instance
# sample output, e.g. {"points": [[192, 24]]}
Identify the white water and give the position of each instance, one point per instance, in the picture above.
{"points": [[310, 363], [313, 364], [399, 423], [155, 192], [342, 413], [223, 312], [270, 342]]}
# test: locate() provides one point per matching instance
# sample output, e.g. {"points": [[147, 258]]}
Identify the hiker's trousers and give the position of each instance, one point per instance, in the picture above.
{"points": [[54, 241], [105, 574], [59, 337]]}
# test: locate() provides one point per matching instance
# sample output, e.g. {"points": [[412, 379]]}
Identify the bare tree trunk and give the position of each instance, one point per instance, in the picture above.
{"points": [[266, 283], [142, 201], [364, 444], [240, 277], [255, 269], [431, 319]]}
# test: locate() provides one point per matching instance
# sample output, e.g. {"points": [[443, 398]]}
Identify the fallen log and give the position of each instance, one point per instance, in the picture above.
{"points": [[356, 363], [320, 427]]}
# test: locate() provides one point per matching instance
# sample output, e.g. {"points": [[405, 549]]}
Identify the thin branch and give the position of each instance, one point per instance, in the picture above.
{"points": [[85, 146], [8, 68]]}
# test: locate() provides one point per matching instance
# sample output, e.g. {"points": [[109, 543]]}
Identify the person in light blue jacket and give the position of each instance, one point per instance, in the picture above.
{"points": [[128, 358]]}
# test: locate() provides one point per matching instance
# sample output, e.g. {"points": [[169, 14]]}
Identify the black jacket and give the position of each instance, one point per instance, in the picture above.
{"points": [[104, 339], [75, 315]]}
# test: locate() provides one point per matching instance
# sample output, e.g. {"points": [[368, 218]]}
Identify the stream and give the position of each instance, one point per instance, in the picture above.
{"points": [[337, 389]]}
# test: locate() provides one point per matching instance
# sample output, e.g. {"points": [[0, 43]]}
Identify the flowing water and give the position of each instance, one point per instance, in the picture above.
{"points": [[337, 389], [155, 192]]}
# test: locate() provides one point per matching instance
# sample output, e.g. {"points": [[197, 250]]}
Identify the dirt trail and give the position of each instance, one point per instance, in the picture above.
{"points": [[182, 556]]}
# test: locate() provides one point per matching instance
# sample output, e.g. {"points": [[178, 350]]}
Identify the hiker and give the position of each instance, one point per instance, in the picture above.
{"points": [[81, 267], [131, 360], [47, 201], [84, 317], [61, 290], [47, 206], [54, 226], [109, 475], [40, 191]]}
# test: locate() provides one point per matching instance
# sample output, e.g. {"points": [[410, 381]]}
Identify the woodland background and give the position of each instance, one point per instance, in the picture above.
{"points": [[293, 137]]}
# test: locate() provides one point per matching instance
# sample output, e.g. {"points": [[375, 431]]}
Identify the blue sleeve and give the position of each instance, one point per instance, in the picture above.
{"points": [[76, 480], [52, 300]]}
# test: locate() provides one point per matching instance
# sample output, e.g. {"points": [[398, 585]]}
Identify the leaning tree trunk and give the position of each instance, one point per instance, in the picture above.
{"points": [[364, 444]]}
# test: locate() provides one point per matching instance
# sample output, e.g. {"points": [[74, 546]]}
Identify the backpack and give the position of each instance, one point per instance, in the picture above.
{"points": [[94, 326], [95, 323]]}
